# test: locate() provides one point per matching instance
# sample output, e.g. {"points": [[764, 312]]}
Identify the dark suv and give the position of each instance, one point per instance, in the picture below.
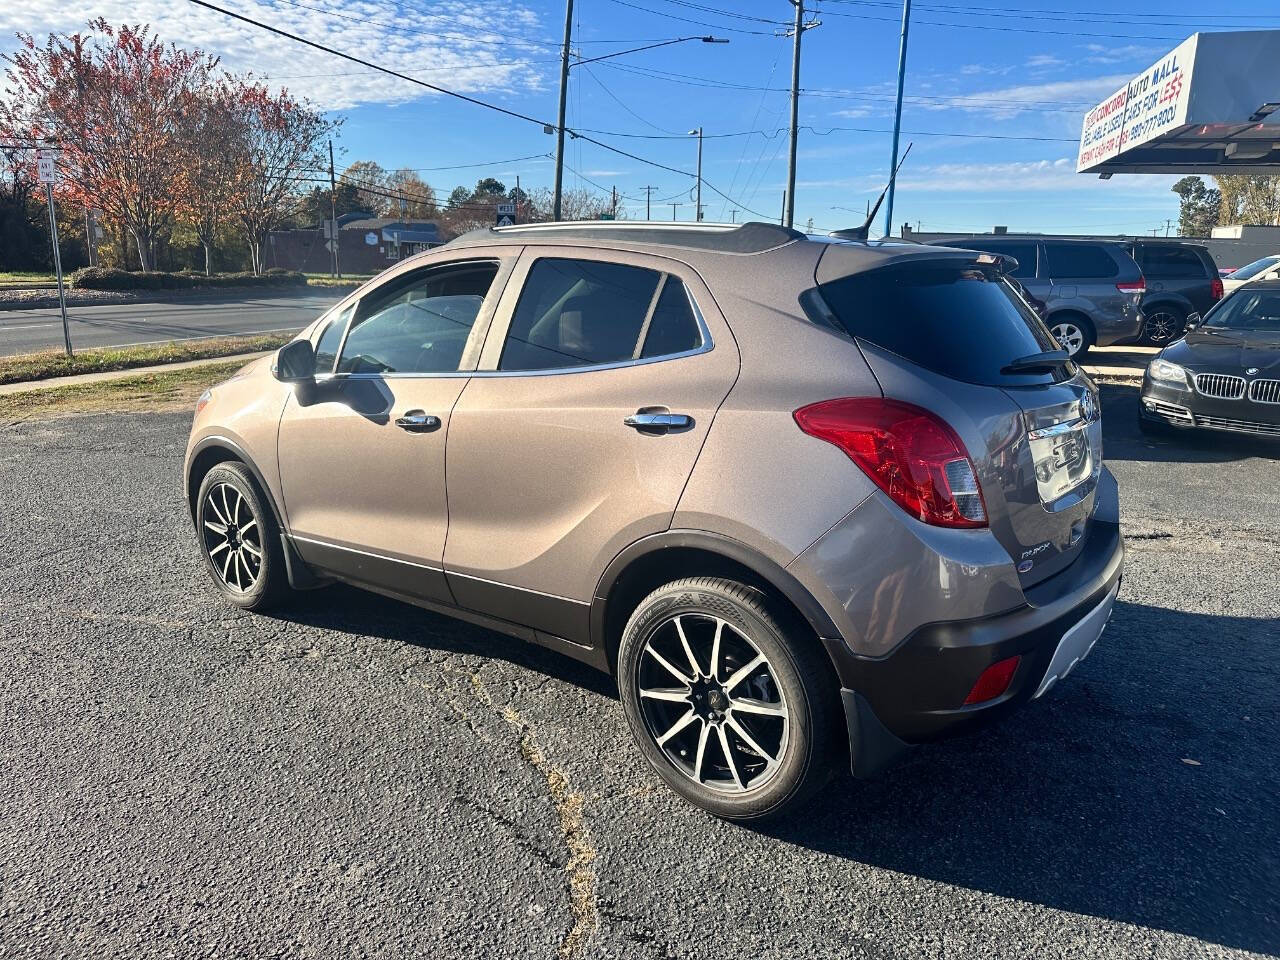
{"points": [[1091, 289], [1182, 279]]}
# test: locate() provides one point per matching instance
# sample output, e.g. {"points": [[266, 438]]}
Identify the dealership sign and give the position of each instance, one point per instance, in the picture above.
{"points": [[1148, 105], [1210, 105]]}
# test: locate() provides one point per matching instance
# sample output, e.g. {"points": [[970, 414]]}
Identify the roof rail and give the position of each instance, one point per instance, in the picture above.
{"points": [[749, 237]]}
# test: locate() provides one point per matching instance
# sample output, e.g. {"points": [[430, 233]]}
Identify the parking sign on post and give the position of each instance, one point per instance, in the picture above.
{"points": [[47, 171], [505, 215]]}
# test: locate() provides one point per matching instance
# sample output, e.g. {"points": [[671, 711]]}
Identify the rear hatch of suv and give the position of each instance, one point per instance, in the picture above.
{"points": [[944, 330]]}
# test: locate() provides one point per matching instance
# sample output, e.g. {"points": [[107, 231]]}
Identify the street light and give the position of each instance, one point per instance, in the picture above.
{"points": [[564, 89], [697, 210]]}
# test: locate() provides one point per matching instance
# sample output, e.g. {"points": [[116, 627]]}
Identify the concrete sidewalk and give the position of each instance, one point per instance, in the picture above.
{"points": [[1119, 364], [82, 378]]}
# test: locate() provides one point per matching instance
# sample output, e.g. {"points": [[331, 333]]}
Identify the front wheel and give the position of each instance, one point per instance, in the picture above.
{"points": [[1074, 336], [737, 713], [239, 538]]}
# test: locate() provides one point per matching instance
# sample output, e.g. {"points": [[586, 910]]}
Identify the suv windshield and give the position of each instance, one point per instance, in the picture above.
{"points": [[956, 320], [1253, 269], [1248, 309]]}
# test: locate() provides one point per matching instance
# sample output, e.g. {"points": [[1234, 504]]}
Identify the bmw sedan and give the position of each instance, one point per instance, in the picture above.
{"points": [[1225, 373]]}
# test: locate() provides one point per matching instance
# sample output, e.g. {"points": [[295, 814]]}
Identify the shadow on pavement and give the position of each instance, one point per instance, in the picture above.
{"points": [[350, 610], [1124, 441], [1085, 802]]}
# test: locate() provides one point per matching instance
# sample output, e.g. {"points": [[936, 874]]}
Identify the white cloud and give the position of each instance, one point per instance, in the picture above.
{"points": [[1032, 176], [461, 46], [1057, 95], [1100, 53], [1042, 60]]}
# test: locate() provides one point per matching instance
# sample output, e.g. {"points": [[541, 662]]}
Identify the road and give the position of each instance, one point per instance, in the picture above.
{"points": [[117, 324], [355, 777]]}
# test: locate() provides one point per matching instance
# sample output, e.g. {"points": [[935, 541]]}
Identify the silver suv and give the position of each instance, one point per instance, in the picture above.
{"points": [[1091, 290], [799, 497]]}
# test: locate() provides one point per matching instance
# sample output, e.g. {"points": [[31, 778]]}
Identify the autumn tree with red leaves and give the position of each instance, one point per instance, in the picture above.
{"points": [[115, 100], [209, 167]]}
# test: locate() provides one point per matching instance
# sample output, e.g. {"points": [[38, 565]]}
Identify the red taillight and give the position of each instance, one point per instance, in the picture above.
{"points": [[1215, 288], [1137, 286], [911, 454], [994, 681]]}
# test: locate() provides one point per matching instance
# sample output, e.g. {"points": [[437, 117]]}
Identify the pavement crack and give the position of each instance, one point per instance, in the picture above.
{"points": [[580, 874]]}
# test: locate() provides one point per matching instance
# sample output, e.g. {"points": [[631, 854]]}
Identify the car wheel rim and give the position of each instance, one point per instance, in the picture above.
{"points": [[1069, 336], [232, 537], [1160, 327], [711, 703]]}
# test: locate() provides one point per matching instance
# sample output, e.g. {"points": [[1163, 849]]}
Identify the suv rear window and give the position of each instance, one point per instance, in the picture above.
{"points": [[1172, 261], [961, 322], [1079, 261]]}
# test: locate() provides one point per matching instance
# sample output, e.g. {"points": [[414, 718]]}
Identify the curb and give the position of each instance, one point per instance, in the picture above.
{"points": [[29, 386]]}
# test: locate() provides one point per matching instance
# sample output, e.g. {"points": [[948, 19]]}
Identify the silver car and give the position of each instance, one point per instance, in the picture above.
{"points": [[801, 498]]}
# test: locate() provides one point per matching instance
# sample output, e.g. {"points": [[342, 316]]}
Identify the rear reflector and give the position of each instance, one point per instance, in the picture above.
{"points": [[994, 681], [911, 454], [1137, 286]]}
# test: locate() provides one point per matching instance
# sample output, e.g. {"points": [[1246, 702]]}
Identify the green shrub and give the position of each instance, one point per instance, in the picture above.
{"points": [[109, 278]]}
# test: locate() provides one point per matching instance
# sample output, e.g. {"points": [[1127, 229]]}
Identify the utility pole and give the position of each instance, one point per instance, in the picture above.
{"points": [[333, 211], [1167, 225], [733, 215], [788, 213], [783, 219], [648, 191], [564, 92], [613, 204], [673, 211], [897, 117], [698, 199], [519, 198]]}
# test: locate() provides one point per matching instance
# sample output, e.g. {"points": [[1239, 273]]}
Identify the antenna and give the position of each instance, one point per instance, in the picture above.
{"points": [[860, 233]]}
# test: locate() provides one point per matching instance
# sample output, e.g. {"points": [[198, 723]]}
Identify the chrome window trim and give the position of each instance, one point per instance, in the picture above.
{"points": [[707, 346]]}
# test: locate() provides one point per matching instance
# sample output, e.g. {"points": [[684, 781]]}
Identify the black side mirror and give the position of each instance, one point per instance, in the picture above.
{"points": [[295, 363], [1193, 321]]}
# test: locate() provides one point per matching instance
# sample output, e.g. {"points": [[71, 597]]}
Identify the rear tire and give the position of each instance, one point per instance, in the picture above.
{"points": [[1163, 325], [239, 538], [1074, 333], [742, 742]]}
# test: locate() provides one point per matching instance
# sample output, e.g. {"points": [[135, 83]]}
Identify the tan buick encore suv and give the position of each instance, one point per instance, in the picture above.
{"points": [[800, 497]]}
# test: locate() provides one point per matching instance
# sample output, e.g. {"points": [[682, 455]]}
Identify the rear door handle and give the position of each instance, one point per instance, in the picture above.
{"points": [[647, 422], [418, 421]]}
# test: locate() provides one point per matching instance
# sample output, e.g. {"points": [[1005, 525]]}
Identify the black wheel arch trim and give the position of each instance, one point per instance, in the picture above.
{"points": [[767, 570]]}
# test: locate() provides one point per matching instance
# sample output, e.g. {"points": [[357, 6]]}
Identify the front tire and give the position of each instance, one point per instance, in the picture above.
{"points": [[239, 538], [733, 705]]}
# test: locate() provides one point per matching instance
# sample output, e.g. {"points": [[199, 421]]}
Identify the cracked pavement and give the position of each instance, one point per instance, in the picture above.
{"points": [[356, 777]]}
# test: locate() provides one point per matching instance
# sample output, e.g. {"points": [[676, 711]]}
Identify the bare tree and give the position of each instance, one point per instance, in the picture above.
{"points": [[279, 143]]}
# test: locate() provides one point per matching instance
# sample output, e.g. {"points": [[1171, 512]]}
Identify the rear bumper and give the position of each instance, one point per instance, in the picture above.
{"points": [[1183, 407], [916, 693]]}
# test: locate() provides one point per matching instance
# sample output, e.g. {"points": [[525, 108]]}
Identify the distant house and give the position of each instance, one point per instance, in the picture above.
{"points": [[367, 244]]}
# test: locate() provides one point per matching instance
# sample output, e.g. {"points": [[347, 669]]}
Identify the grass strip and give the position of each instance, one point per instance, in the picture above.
{"points": [[40, 366], [164, 390]]}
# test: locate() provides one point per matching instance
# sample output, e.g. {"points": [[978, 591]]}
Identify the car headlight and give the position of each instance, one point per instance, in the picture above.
{"points": [[204, 400], [1167, 372]]}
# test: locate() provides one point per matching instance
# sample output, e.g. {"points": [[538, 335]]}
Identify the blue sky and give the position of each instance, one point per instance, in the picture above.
{"points": [[1024, 69]]}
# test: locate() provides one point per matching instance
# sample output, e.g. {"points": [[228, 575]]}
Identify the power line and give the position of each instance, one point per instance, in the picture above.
{"points": [[701, 23], [826, 11], [1073, 16]]}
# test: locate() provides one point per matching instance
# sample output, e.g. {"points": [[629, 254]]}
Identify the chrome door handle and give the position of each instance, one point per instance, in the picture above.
{"points": [[658, 422], [418, 421]]}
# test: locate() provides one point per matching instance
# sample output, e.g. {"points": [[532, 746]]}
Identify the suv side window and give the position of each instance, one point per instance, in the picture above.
{"points": [[1171, 262], [1079, 261], [418, 323], [1024, 253], [575, 313]]}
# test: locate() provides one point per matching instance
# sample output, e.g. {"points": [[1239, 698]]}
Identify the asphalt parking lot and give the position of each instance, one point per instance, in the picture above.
{"points": [[355, 777]]}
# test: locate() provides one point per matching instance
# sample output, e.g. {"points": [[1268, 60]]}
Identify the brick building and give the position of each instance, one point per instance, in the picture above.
{"points": [[367, 244]]}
